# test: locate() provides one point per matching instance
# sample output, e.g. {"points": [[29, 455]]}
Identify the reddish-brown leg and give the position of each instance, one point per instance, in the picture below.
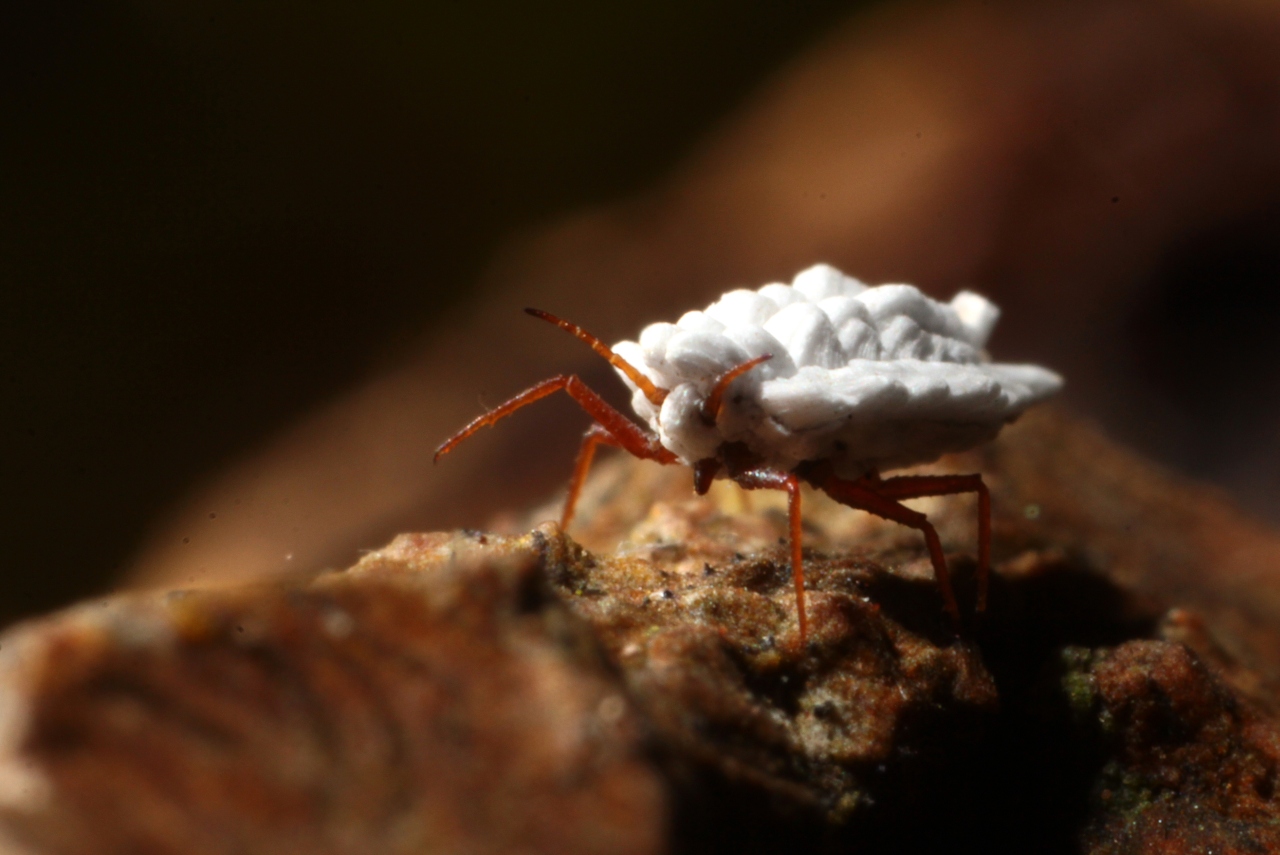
{"points": [[629, 435], [594, 437], [863, 496], [611, 428], [769, 479], [920, 486]]}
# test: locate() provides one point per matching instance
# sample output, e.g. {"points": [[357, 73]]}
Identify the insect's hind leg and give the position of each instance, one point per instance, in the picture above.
{"points": [[863, 495], [921, 486]]}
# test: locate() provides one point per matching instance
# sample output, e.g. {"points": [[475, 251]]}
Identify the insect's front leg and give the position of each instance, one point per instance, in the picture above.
{"points": [[594, 437], [643, 446], [611, 428], [627, 433], [771, 479]]}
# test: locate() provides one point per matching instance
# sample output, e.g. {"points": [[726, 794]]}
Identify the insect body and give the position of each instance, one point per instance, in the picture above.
{"points": [[824, 381]]}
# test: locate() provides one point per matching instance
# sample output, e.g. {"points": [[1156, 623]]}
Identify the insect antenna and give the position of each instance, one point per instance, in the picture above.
{"points": [[711, 406], [655, 395]]}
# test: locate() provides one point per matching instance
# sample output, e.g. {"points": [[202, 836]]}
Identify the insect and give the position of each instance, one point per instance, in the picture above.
{"points": [[825, 381]]}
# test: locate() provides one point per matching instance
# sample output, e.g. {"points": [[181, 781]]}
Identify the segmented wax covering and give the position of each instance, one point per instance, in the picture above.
{"points": [[869, 378]]}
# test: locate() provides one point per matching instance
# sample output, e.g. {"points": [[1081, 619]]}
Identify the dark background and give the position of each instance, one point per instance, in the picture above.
{"points": [[215, 214]]}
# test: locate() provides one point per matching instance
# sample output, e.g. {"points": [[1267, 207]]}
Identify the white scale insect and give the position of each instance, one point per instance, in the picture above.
{"points": [[825, 381]]}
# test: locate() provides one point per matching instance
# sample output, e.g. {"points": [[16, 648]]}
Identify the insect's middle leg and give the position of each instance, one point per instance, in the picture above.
{"points": [[921, 486], [863, 495], [769, 479]]}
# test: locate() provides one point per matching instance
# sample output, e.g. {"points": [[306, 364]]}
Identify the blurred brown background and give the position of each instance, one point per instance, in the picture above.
{"points": [[258, 259]]}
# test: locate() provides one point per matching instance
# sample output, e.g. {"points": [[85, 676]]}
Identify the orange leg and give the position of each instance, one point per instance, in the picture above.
{"points": [[920, 486], [595, 436], [769, 479], [611, 428], [655, 395], [864, 495]]}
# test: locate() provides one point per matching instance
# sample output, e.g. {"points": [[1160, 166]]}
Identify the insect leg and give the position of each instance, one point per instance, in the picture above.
{"points": [[596, 435], [863, 496], [920, 486], [506, 408], [769, 479], [611, 428], [631, 436]]}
